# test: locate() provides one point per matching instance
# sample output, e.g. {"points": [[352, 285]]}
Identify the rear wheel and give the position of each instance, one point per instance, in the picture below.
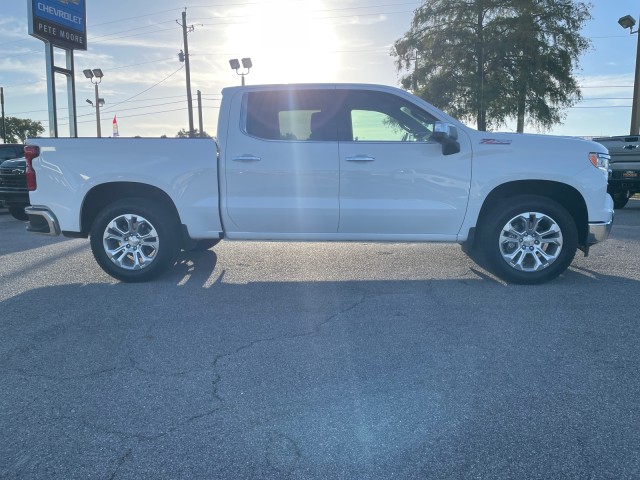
{"points": [[18, 213], [135, 240], [528, 239]]}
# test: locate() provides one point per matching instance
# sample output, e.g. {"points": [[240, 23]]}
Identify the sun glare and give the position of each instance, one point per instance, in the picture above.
{"points": [[288, 41]]}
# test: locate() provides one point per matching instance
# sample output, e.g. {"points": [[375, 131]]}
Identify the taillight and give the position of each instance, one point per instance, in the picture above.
{"points": [[31, 152]]}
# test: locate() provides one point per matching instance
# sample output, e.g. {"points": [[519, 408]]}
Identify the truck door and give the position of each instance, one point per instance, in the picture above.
{"points": [[394, 179], [281, 165]]}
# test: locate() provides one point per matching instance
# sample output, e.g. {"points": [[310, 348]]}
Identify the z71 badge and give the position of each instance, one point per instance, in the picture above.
{"points": [[494, 141]]}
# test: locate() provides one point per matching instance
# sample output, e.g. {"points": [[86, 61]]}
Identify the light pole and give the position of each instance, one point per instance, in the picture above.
{"points": [[97, 74], [629, 22], [235, 65]]}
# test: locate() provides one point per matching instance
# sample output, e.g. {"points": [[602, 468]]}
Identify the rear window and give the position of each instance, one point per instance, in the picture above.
{"points": [[303, 115], [9, 152]]}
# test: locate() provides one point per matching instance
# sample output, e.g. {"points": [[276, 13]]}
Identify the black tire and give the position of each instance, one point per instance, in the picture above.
{"points": [[135, 239], [620, 199], [18, 213], [528, 239], [202, 245]]}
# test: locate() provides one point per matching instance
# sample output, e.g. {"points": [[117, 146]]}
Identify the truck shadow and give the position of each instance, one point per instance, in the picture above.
{"points": [[14, 237]]}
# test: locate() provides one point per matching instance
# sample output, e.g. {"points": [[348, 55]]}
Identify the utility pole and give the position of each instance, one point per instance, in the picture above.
{"points": [[629, 22], [4, 130], [186, 30], [200, 114], [98, 129], [635, 111]]}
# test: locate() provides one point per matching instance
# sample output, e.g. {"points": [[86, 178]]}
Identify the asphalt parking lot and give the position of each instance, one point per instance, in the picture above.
{"points": [[318, 361]]}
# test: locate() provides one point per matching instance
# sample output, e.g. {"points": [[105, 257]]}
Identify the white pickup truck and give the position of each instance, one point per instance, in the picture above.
{"points": [[325, 162]]}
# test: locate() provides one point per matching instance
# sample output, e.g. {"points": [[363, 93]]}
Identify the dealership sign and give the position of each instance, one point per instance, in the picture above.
{"points": [[62, 23]]}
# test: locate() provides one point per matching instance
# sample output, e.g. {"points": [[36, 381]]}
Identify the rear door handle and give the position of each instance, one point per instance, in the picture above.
{"points": [[246, 158], [360, 158]]}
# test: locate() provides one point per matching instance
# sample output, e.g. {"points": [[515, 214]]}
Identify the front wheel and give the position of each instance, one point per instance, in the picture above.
{"points": [[620, 199], [528, 239], [134, 239]]}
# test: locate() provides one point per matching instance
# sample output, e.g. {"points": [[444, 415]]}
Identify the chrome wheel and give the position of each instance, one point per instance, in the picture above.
{"points": [[530, 241], [131, 242]]}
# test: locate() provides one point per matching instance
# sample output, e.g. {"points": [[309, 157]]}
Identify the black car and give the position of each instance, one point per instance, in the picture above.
{"points": [[13, 181]]}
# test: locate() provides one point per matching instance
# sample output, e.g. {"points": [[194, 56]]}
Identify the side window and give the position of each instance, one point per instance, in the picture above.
{"points": [[382, 117], [303, 115], [369, 125]]}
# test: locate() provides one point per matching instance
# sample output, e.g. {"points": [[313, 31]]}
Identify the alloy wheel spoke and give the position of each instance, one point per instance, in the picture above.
{"points": [[131, 242], [530, 241]]}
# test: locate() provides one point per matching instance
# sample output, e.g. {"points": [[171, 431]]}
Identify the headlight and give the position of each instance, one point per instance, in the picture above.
{"points": [[600, 161]]}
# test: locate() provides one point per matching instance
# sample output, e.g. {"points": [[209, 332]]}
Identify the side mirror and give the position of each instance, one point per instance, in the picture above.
{"points": [[447, 135]]}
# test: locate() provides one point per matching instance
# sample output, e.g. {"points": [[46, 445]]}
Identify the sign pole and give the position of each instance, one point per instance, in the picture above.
{"points": [[61, 24], [71, 96], [51, 90]]}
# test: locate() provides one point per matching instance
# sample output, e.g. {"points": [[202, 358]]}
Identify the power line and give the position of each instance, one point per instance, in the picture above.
{"points": [[209, 97], [604, 106], [139, 114], [313, 19], [143, 63], [104, 38], [218, 5], [145, 90]]}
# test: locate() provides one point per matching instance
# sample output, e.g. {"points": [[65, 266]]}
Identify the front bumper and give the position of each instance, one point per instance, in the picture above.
{"points": [[43, 221], [599, 232]]}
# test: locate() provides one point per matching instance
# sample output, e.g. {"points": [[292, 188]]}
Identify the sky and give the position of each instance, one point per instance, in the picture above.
{"points": [[136, 43]]}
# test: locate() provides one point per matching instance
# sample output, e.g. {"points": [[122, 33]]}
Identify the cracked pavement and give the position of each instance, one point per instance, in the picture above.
{"points": [[314, 361]]}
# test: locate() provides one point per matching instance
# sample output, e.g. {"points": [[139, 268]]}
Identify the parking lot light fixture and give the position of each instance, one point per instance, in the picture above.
{"points": [[246, 64], [627, 21], [95, 76]]}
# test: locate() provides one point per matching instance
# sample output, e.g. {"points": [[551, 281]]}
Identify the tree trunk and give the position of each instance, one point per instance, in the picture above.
{"points": [[522, 99], [482, 109]]}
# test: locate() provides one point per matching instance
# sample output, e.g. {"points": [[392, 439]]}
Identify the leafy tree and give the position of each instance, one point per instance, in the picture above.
{"points": [[491, 60], [19, 129], [185, 133], [541, 49]]}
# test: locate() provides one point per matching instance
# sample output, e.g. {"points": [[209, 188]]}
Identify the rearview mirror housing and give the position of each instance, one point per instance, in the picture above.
{"points": [[447, 135]]}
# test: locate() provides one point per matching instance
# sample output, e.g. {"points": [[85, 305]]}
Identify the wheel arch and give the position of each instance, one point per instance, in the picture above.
{"points": [[104, 194], [564, 194]]}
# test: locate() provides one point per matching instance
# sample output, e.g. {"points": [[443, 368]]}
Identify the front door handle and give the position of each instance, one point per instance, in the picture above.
{"points": [[360, 158], [246, 158]]}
